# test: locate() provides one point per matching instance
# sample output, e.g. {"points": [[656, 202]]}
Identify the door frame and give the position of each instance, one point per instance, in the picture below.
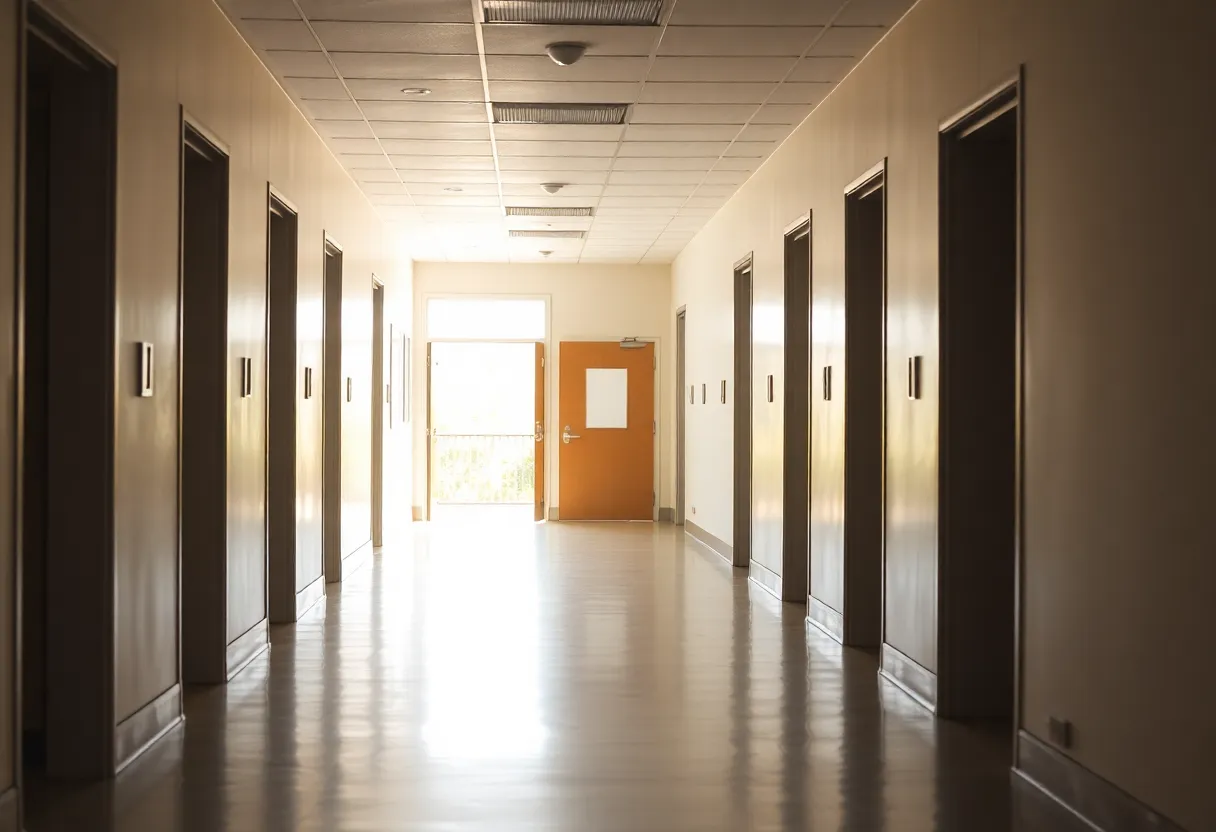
{"points": [[741, 493], [422, 324], [555, 415], [975, 115], [681, 437], [379, 325]]}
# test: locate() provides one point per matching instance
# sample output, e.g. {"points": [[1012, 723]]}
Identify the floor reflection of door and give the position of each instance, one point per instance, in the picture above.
{"points": [[483, 433], [606, 428]]}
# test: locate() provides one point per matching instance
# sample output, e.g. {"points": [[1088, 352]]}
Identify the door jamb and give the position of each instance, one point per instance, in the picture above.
{"points": [[681, 437]]}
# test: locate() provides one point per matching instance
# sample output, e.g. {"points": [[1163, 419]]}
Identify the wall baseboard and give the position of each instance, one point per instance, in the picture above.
{"points": [[910, 676], [308, 597], [825, 619], [553, 513], [140, 731], [763, 577], [705, 538], [419, 514], [1101, 803], [248, 646], [356, 559], [10, 811], [667, 514]]}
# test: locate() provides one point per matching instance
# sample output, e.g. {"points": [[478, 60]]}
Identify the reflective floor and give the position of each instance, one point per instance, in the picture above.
{"points": [[588, 678]]}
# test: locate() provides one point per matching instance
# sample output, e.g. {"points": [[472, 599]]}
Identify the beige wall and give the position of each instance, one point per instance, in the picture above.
{"points": [[586, 303], [1119, 386], [9, 53], [186, 54]]}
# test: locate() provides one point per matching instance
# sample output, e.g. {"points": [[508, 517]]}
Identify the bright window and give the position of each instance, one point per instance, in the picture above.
{"points": [[486, 319]]}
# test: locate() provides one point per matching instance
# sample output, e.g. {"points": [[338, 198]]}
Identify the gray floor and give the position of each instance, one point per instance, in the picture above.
{"points": [[599, 678]]}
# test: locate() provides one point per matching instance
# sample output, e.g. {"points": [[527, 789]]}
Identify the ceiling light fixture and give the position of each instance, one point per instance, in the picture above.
{"points": [[536, 211], [573, 12], [566, 53], [564, 234], [419, 91], [545, 253], [552, 187], [552, 113], [454, 190]]}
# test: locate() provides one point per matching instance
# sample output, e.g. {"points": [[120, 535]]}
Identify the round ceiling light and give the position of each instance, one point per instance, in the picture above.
{"points": [[454, 190], [416, 91], [552, 187], [566, 53], [546, 253]]}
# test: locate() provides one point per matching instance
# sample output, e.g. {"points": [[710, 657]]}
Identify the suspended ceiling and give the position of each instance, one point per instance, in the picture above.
{"points": [[712, 90]]}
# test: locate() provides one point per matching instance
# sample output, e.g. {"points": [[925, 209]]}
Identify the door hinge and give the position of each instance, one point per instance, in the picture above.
{"points": [[654, 428], [542, 361], [654, 362], [653, 499]]}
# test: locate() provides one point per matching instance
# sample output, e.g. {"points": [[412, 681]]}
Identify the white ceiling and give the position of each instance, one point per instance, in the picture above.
{"points": [[714, 89]]}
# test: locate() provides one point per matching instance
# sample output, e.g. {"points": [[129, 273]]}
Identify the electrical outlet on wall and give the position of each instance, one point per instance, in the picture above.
{"points": [[1059, 731]]}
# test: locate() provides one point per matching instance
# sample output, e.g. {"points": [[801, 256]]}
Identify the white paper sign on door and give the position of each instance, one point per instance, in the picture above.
{"points": [[607, 398]]}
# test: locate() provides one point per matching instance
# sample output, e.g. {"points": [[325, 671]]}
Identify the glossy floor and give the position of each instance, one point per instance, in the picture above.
{"points": [[509, 676]]}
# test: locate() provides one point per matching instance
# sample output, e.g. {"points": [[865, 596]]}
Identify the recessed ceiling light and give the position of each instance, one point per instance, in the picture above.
{"points": [[416, 91], [454, 190]]}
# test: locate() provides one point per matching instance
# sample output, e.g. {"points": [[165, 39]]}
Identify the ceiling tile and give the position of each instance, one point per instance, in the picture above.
{"points": [[523, 68], [405, 68], [561, 149], [278, 34], [384, 188], [289, 63], [720, 70], [365, 163], [568, 92], [378, 176], [445, 130], [747, 163], [854, 41], [789, 93], [419, 147], [332, 109], [558, 132], [383, 89], [667, 149], [355, 146], [722, 41], [673, 163], [391, 199], [649, 190], [642, 201], [636, 212], [440, 188], [343, 128], [756, 149], [450, 177], [716, 190], [829, 70], [404, 162], [756, 12], [265, 9], [726, 177], [568, 190], [574, 177], [765, 132], [873, 12], [782, 113], [543, 200], [682, 132], [544, 163], [423, 111], [410, 11], [706, 202], [691, 113], [318, 89], [602, 41], [696, 93], [417, 38], [458, 200], [656, 177], [451, 214]]}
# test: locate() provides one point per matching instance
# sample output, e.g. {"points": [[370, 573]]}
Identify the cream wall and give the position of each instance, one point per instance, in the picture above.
{"points": [[179, 54], [1118, 447], [586, 303]]}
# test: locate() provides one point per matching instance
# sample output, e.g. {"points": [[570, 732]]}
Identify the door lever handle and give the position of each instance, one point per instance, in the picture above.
{"points": [[567, 435], [540, 432]]}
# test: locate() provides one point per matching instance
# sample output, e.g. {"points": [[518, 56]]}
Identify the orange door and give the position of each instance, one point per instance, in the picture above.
{"points": [[538, 460], [606, 428]]}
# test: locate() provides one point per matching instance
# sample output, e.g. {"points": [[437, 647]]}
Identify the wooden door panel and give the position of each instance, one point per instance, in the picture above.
{"points": [[606, 473]]}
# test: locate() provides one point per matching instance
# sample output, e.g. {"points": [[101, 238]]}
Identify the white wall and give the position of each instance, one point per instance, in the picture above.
{"points": [[1118, 447], [586, 303]]}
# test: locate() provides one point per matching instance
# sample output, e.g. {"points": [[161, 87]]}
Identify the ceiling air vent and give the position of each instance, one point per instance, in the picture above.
{"points": [[510, 113], [529, 211], [574, 12], [571, 235]]}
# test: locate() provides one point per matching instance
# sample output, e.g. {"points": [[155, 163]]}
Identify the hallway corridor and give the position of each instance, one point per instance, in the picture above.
{"points": [[558, 678]]}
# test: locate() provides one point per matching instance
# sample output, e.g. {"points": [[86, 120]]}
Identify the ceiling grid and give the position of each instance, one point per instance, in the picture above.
{"points": [[405, 93]]}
